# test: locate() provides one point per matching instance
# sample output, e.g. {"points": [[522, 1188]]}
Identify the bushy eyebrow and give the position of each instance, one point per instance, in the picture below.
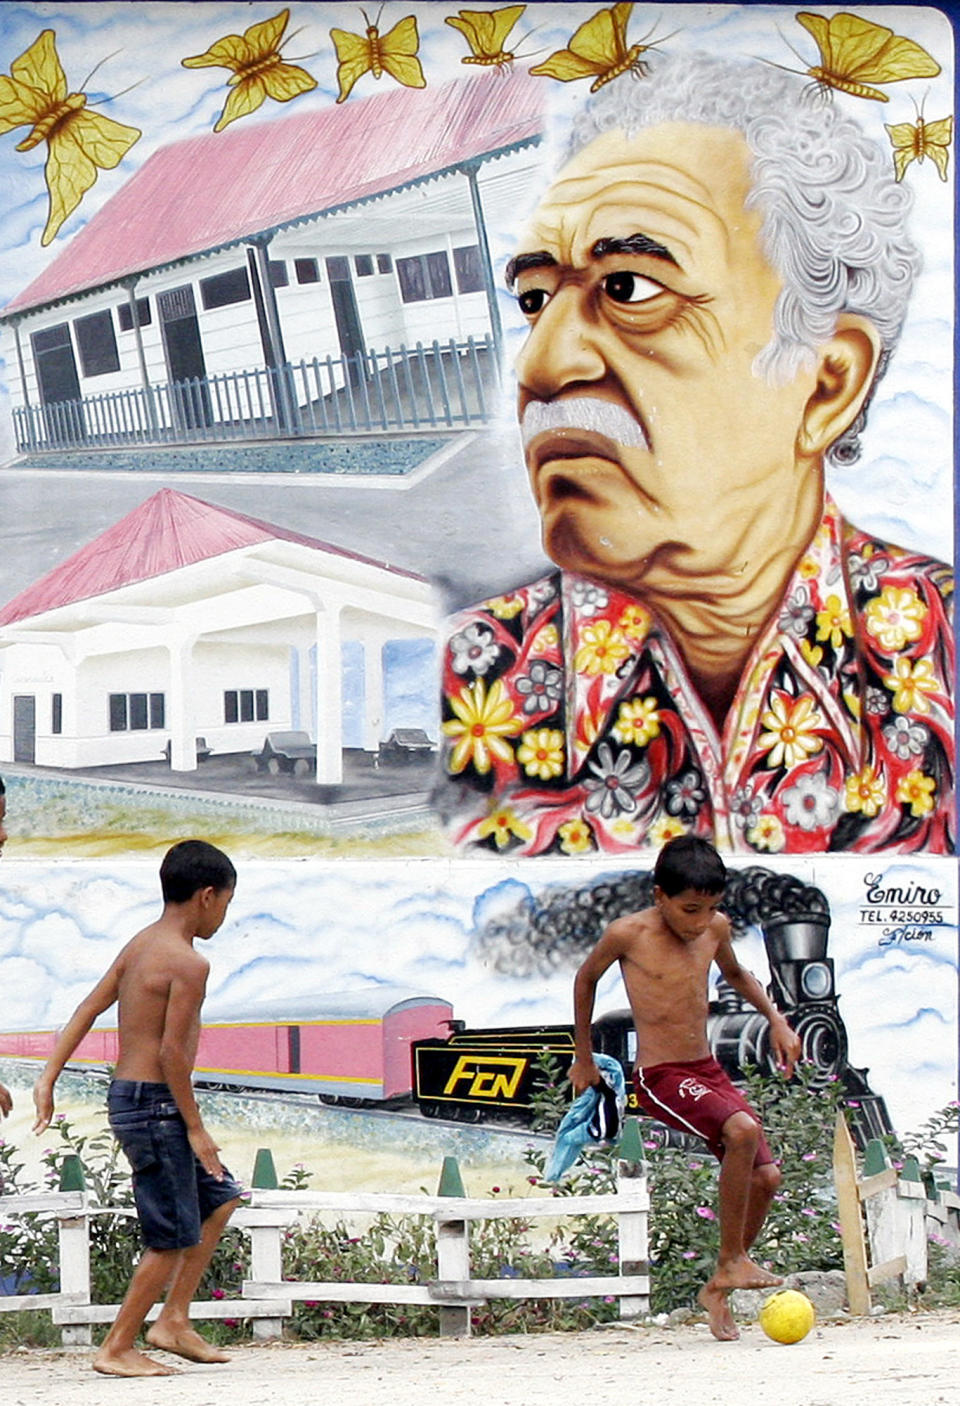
{"points": [[539, 259], [632, 244]]}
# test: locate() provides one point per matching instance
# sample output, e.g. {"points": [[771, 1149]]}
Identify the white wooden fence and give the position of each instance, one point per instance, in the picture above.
{"points": [[267, 1298], [887, 1216]]}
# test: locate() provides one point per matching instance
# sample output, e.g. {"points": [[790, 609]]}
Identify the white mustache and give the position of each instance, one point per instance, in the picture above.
{"points": [[583, 412]]}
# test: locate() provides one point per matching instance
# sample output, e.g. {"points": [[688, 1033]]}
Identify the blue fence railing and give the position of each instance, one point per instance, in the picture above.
{"points": [[435, 385]]}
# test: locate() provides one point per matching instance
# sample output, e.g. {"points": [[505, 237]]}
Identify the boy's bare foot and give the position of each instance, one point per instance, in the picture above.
{"points": [[185, 1342], [714, 1301], [130, 1363], [742, 1273]]}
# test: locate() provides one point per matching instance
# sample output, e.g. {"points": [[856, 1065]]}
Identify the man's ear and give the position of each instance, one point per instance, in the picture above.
{"points": [[846, 366]]}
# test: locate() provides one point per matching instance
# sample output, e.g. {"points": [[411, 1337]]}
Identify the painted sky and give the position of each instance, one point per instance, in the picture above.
{"points": [[903, 485], [313, 928]]}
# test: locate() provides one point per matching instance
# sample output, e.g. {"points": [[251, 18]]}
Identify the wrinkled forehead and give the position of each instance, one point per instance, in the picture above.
{"points": [[683, 184]]}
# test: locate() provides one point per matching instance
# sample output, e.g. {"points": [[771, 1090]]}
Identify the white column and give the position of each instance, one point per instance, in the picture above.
{"points": [[329, 729], [374, 702], [302, 712], [179, 706]]}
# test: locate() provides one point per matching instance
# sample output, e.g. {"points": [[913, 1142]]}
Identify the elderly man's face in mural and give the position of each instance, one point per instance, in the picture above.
{"points": [[654, 451]]}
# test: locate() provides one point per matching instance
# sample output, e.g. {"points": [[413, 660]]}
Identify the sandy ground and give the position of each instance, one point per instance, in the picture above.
{"points": [[910, 1361]]}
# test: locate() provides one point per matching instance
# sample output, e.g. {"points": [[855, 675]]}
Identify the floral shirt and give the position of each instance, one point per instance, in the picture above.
{"points": [[571, 724]]}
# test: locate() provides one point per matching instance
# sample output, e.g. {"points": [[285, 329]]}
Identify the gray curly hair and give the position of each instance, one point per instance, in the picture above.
{"points": [[834, 218]]}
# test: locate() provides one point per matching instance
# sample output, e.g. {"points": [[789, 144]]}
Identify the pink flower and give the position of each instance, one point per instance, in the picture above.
{"points": [[689, 1255], [218, 1294], [705, 1213]]}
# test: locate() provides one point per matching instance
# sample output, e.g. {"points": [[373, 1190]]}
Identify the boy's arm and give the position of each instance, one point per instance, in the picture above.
{"points": [[583, 1072], [101, 998], [187, 989], [785, 1042]]}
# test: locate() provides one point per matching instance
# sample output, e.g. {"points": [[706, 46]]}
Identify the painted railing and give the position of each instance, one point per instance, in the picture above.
{"points": [[438, 385]]}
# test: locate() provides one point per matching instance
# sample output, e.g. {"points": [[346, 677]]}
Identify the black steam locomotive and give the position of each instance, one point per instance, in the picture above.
{"points": [[478, 1074]]}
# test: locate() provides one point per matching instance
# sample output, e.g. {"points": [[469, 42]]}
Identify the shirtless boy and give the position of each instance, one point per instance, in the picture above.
{"points": [[184, 1195], [665, 953]]}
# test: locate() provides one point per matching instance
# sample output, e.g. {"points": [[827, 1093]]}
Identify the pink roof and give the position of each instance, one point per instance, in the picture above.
{"points": [[166, 532], [198, 194]]}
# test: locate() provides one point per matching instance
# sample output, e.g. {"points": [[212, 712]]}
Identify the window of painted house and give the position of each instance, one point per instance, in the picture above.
{"points": [[125, 315], [363, 263], [56, 367], [384, 263], [223, 288], [56, 713], [246, 705], [279, 278], [97, 344], [424, 276], [466, 263], [137, 712], [307, 270]]}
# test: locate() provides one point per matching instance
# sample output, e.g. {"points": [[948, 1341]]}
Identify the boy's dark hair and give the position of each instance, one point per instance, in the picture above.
{"points": [[3, 789], [192, 865], [689, 863]]}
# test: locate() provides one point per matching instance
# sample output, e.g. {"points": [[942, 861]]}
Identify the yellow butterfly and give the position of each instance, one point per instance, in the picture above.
{"points": [[855, 52], [394, 53], [913, 143], [485, 32], [597, 50], [258, 70], [78, 141]]}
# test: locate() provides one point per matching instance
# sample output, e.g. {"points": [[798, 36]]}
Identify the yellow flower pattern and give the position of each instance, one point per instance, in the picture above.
{"points": [[909, 684], [603, 649], [916, 791], [541, 753], [866, 792], [482, 724], [638, 721], [896, 617], [790, 730]]}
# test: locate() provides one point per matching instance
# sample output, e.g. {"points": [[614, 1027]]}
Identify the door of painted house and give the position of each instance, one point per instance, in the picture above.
{"points": [[189, 394], [59, 384], [347, 314], [24, 728]]}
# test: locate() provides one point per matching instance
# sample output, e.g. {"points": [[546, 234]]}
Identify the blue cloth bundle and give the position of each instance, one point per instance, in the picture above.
{"points": [[593, 1119]]}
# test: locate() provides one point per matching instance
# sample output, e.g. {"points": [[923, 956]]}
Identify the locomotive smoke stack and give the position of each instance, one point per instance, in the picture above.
{"points": [[796, 939]]}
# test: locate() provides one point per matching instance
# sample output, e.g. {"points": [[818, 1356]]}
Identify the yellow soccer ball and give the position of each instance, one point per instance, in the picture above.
{"points": [[787, 1316]]}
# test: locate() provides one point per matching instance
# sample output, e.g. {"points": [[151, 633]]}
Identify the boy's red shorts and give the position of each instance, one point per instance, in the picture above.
{"points": [[696, 1097]]}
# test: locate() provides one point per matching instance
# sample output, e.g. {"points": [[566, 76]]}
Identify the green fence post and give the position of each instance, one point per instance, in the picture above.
{"points": [[264, 1172], [453, 1253], [71, 1174]]}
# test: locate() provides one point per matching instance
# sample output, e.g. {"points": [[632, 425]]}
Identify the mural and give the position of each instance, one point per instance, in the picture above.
{"points": [[873, 996], [444, 454], [194, 301]]}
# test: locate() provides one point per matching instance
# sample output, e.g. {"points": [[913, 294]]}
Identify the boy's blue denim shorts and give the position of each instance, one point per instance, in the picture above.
{"points": [[174, 1195]]}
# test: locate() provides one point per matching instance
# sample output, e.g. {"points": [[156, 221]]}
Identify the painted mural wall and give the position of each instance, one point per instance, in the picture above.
{"points": [[446, 455]]}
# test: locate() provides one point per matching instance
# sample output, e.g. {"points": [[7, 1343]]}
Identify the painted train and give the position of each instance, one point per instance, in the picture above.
{"points": [[386, 1048], [392, 1047]]}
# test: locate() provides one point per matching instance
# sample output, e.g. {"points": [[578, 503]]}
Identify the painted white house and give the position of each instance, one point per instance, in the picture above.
{"points": [[185, 619], [326, 233]]}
